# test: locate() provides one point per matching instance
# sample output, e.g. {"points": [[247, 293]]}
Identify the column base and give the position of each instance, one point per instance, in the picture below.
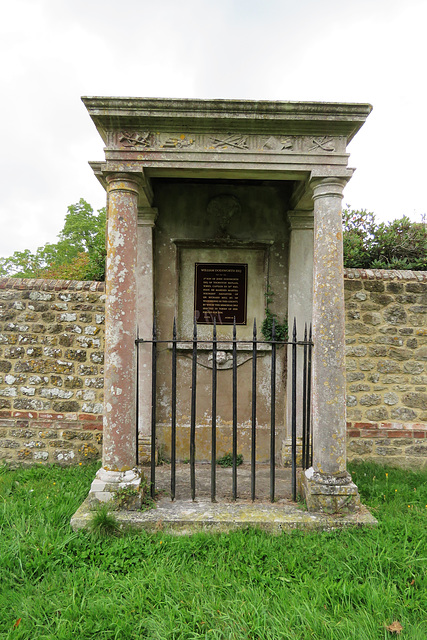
{"points": [[107, 484], [329, 494]]}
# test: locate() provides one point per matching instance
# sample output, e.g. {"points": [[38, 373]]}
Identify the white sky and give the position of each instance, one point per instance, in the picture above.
{"points": [[54, 51]]}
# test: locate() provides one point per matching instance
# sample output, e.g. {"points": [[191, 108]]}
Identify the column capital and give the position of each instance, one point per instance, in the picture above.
{"points": [[301, 219], [328, 187], [123, 182], [147, 216]]}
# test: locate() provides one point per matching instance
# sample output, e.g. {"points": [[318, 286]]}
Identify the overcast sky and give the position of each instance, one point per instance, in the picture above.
{"points": [[54, 51]]}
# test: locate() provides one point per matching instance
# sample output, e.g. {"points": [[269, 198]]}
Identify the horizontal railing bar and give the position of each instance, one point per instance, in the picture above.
{"points": [[299, 342]]}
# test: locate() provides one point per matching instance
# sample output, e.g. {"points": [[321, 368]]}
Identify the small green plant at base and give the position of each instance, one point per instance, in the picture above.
{"points": [[280, 328], [227, 460], [103, 524], [128, 497], [125, 496]]}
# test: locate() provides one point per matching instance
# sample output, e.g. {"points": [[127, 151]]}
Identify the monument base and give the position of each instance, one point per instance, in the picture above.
{"points": [[329, 494], [107, 485]]}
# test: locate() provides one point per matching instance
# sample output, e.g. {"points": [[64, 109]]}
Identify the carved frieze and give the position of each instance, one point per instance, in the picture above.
{"points": [[176, 142], [135, 139], [274, 143], [226, 142], [231, 140], [322, 143]]}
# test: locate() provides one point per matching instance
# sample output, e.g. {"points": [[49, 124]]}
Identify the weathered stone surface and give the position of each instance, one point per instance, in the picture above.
{"points": [[369, 400], [391, 398], [324, 493], [415, 400], [354, 376], [395, 314], [36, 372], [388, 366], [355, 388], [395, 287], [374, 285], [380, 413], [360, 446], [403, 413]]}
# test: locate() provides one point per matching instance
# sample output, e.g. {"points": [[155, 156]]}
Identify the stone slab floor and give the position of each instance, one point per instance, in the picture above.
{"points": [[183, 516]]}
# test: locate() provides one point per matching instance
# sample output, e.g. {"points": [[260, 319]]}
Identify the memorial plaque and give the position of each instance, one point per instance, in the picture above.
{"points": [[220, 292]]}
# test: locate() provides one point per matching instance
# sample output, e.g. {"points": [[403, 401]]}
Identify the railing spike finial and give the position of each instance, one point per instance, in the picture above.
{"points": [[294, 332], [255, 331], [174, 328]]}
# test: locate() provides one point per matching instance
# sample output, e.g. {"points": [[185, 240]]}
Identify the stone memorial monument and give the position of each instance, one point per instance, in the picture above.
{"points": [[212, 206]]}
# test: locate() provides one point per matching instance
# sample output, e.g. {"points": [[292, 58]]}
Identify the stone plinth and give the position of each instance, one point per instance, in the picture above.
{"points": [[329, 494], [107, 483]]}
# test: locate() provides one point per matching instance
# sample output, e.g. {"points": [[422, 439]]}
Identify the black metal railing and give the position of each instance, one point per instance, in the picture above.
{"points": [[299, 387]]}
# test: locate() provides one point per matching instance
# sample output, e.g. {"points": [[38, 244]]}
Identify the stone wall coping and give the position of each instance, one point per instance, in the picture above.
{"points": [[41, 284], [385, 274]]}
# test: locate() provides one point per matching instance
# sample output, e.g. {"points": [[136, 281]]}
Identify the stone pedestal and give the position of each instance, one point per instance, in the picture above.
{"points": [[119, 438], [327, 493], [107, 485], [327, 486]]}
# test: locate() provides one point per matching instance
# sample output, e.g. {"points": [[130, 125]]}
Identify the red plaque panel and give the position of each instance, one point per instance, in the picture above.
{"points": [[220, 292]]}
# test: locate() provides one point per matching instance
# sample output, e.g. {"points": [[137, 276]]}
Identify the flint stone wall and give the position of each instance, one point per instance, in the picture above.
{"points": [[51, 368], [386, 360]]}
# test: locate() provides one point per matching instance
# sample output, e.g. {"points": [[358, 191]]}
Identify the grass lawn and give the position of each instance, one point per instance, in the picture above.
{"points": [[347, 585]]}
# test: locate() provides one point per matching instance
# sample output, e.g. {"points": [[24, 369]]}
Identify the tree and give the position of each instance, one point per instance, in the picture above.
{"points": [[79, 253], [399, 244], [358, 234]]}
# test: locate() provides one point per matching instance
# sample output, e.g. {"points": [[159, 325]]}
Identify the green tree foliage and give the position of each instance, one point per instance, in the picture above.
{"points": [[79, 253], [399, 244]]}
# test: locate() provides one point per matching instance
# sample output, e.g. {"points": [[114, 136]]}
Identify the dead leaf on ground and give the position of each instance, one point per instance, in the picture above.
{"points": [[394, 627]]}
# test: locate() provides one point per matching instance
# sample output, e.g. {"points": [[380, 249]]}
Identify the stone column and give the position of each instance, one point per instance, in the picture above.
{"points": [[327, 485], [119, 436], [300, 304], [145, 310]]}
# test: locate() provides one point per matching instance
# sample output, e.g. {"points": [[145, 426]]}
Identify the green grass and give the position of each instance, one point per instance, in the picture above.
{"points": [[245, 585]]}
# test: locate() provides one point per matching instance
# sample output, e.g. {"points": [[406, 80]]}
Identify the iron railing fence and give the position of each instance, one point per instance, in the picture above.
{"points": [[304, 385]]}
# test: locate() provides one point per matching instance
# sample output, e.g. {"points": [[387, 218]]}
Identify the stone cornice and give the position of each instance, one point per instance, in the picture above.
{"points": [[247, 116]]}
